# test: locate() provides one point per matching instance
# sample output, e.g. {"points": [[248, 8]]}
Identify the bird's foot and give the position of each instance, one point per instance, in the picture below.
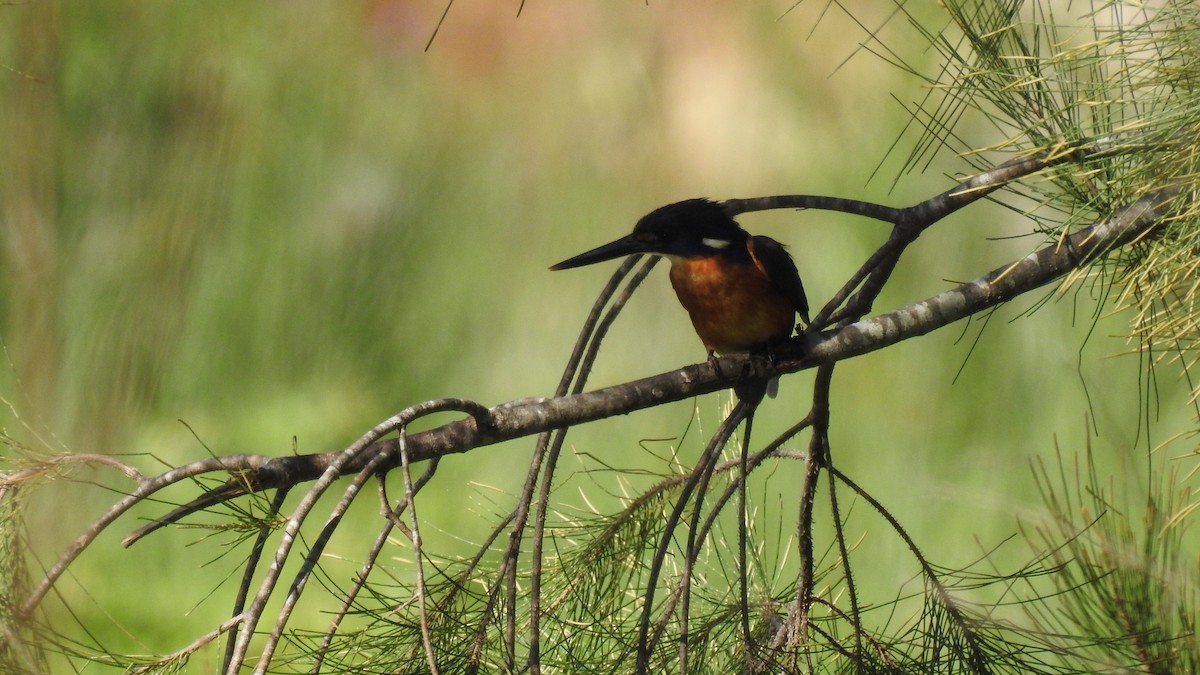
{"points": [[716, 365]]}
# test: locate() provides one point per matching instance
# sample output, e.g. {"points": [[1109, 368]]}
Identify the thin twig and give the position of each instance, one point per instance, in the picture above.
{"points": [[645, 642], [391, 517], [743, 566], [978, 656], [694, 543], [144, 489], [887, 214], [196, 645], [306, 568], [250, 566], [307, 503], [798, 619], [596, 338], [843, 550], [774, 449], [410, 494]]}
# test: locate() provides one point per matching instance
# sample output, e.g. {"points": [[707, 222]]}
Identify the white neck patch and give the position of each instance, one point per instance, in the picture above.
{"points": [[716, 243]]}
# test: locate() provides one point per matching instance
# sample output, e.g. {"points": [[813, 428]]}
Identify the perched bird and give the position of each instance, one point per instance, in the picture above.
{"points": [[741, 291]]}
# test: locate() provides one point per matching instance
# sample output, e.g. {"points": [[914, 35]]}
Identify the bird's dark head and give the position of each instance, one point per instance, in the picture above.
{"points": [[687, 229]]}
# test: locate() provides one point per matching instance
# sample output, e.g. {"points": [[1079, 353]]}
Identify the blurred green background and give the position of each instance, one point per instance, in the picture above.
{"points": [[279, 223]]}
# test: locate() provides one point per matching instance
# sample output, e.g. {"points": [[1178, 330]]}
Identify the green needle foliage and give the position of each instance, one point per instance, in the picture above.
{"points": [[1124, 576], [1116, 79]]}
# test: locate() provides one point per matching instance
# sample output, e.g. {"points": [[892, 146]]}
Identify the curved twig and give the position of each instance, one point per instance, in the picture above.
{"points": [[555, 448], [145, 488], [978, 656], [391, 518], [818, 450], [888, 214], [844, 551], [301, 512], [251, 565], [742, 564], [702, 469], [195, 646], [691, 553], [410, 494]]}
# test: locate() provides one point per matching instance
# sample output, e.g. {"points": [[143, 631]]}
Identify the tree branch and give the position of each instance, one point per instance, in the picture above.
{"points": [[525, 417]]}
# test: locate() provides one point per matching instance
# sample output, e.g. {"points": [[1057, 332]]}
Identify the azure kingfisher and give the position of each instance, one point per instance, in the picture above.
{"points": [[741, 291]]}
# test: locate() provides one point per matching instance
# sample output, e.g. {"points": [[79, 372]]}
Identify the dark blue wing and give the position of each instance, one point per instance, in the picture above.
{"points": [[773, 259]]}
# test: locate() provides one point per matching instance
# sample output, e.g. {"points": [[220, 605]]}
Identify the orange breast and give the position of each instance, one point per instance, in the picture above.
{"points": [[733, 306]]}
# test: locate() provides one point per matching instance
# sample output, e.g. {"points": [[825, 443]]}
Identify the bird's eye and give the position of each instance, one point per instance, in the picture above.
{"points": [[715, 243]]}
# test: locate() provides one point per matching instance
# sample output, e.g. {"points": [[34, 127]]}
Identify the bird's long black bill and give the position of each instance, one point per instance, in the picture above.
{"points": [[616, 249]]}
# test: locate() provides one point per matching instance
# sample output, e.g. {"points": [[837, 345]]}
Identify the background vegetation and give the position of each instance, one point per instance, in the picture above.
{"points": [[278, 224]]}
